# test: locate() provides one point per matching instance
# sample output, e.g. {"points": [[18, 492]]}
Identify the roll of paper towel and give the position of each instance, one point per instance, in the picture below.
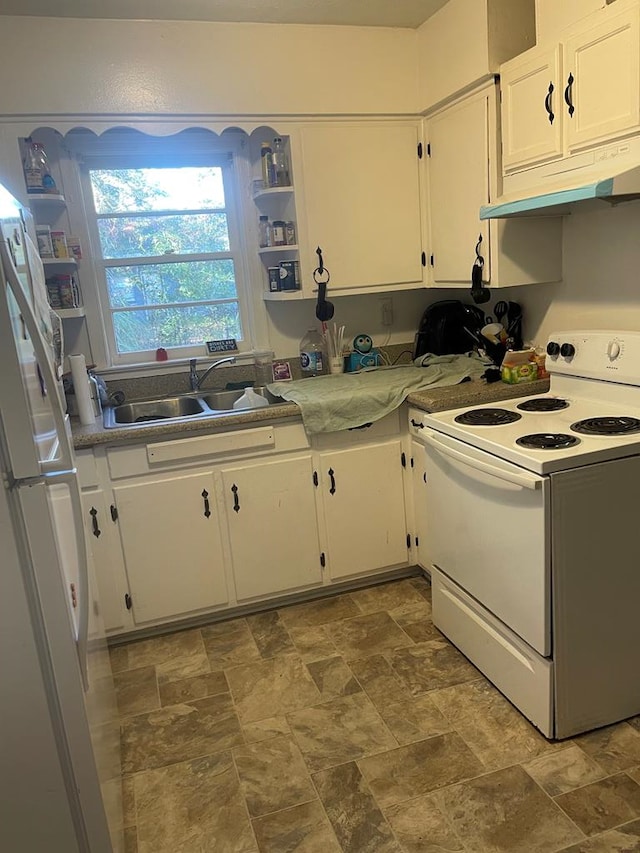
{"points": [[81, 388]]}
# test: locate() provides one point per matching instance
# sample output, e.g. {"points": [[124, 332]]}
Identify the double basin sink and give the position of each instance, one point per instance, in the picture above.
{"points": [[189, 407]]}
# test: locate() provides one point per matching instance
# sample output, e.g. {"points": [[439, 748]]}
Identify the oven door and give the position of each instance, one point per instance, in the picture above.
{"points": [[488, 523]]}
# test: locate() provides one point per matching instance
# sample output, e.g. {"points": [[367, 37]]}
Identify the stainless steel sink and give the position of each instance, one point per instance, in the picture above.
{"points": [[184, 408], [222, 401], [157, 410]]}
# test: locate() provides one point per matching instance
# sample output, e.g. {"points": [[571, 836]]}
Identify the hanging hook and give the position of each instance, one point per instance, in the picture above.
{"points": [[479, 258], [320, 261]]}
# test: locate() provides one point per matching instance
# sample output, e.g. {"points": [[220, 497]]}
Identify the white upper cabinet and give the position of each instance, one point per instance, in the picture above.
{"points": [[458, 186], [463, 174], [561, 99], [602, 81], [531, 103], [361, 204]]}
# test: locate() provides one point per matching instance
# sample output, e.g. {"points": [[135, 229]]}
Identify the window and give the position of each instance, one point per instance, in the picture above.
{"points": [[166, 251]]}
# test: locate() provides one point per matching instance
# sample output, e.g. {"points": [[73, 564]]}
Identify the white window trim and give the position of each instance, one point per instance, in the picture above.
{"points": [[122, 152]]}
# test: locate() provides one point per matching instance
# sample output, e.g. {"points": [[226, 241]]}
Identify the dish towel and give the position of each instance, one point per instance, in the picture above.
{"points": [[347, 400]]}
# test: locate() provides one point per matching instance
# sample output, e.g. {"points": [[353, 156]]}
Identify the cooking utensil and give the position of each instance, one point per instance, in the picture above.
{"points": [[501, 310]]}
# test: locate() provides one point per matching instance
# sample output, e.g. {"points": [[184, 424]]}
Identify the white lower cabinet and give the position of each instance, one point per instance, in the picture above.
{"points": [[104, 550], [362, 499], [172, 545], [184, 540], [419, 486], [273, 529]]}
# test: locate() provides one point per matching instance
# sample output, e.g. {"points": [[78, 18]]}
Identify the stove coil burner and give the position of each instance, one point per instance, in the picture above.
{"points": [[487, 417], [543, 404], [547, 440], [607, 426]]}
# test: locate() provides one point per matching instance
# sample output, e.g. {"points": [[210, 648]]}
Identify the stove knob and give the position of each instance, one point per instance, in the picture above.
{"points": [[553, 348], [567, 350], [613, 350]]}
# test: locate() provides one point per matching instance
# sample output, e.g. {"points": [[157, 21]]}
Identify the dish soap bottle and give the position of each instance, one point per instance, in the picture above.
{"points": [[312, 361]]}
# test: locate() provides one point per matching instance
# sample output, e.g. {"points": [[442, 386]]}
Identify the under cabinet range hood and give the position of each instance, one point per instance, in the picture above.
{"points": [[624, 186]]}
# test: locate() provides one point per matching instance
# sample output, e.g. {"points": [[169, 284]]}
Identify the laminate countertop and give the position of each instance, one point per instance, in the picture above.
{"points": [[436, 399]]}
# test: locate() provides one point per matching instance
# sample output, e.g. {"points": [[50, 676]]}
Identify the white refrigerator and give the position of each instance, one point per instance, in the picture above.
{"points": [[60, 785]]}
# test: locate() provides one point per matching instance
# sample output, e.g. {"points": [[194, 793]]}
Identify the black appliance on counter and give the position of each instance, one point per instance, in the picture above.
{"points": [[451, 326]]}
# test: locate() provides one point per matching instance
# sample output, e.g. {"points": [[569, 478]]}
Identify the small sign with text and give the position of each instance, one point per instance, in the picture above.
{"points": [[224, 345]]}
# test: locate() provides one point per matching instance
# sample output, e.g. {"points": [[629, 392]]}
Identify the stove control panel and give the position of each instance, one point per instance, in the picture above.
{"points": [[605, 355]]}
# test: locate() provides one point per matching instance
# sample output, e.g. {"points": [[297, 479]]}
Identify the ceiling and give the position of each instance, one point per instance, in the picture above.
{"points": [[365, 13]]}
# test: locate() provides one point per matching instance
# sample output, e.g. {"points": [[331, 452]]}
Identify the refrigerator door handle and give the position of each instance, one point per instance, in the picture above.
{"points": [[71, 479], [65, 461]]}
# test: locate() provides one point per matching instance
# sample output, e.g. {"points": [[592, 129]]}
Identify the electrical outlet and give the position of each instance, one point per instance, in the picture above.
{"points": [[386, 311]]}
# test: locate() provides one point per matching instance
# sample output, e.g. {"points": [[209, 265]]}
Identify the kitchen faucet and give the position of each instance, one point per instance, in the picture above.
{"points": [[195, 380]]}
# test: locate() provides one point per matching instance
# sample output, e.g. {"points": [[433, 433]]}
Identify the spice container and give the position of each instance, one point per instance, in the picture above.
{"points": [[280, 164], [274, 279], [290, 233], [278, 233]]}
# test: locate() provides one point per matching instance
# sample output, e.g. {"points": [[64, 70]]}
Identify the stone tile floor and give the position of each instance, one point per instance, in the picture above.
{"points": [[351, 724]]}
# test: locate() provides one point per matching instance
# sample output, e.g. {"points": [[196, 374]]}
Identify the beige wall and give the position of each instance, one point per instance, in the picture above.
{"points": [[552, 16], [62, 65], [600, 288], [466, 41]]}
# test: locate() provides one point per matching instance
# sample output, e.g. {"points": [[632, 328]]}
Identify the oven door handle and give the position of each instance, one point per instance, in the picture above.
{"points": [[525, 481]]}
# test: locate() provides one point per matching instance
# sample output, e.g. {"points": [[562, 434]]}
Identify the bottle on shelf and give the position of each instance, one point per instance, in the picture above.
{"points": [[312, 358], [280, 164], [266, 160], [37, 171], [264, 228]]}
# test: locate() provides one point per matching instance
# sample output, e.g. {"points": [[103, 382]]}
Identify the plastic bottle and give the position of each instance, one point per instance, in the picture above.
{"points": [[280, 164], [265, 232], [266, 160], [37, 171], [312, 358]]}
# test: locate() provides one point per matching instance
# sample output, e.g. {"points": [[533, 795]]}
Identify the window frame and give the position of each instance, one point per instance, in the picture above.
{"points": [[141, 151]]}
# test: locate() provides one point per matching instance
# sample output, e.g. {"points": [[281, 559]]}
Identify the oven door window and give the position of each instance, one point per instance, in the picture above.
{"points": [[488, 524]]}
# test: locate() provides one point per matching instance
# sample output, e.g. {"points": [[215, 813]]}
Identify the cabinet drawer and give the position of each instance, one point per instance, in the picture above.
{"points": [[136, 459], [389, 425], [517, 670], [87, 470]]}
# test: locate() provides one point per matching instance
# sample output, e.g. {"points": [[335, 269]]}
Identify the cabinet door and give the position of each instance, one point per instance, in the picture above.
{"points": [[171, 543], [363, 502], [458, 185], [605, 65], [271, 517], [419, 483], [532, 109], [105, 552], [362, 203]]}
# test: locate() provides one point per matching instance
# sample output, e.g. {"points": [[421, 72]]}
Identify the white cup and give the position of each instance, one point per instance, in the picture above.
{"points": [[336, 364]]}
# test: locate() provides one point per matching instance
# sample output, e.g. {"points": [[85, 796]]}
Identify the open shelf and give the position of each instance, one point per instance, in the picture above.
{"points": [[271, 191], [59, 262], [47, 198], [282, 295], [67, 313], [270, 250]]}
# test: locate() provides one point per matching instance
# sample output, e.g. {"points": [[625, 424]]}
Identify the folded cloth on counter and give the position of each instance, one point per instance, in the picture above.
{"points": [[346, 400]]}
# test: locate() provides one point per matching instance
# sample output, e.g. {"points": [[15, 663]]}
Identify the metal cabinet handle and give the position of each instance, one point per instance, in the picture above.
{"points": [[205, 498], [332, 490], [236, 502], [93, 512], [417, 424], [568, 94], [547, 104]]}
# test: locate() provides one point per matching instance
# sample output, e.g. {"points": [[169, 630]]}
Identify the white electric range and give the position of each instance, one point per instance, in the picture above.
{"points": [[534, 545]]}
